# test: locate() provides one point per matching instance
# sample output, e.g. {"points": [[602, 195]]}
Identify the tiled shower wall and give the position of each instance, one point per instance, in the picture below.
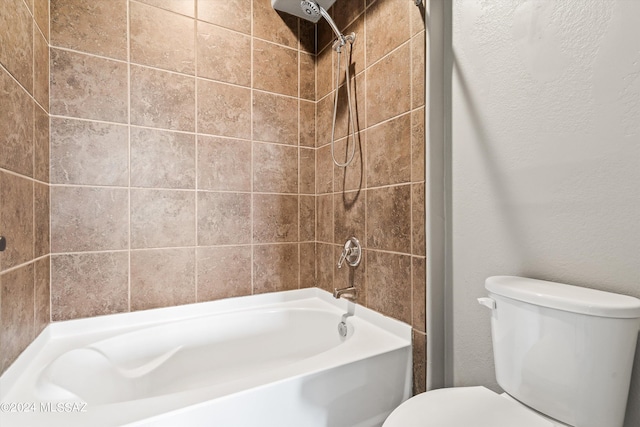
{"points": [[24, 174], [379, 198], [182, 147], [184, 157]]}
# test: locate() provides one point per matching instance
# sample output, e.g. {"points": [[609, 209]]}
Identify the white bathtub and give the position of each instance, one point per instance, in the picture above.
{"points": [[267, 360]]}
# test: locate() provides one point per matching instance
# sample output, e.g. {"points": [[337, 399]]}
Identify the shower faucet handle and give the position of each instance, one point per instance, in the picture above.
{"points": [[351, 253]]}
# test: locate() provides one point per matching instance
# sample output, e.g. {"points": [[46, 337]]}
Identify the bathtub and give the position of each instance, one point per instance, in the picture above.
{"points": [[276, 359]]}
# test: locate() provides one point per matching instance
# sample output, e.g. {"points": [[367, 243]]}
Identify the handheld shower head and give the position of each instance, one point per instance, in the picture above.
{"points": [[310, 8], [313, 11]]}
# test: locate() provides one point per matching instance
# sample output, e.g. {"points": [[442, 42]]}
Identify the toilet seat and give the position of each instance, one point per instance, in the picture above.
{"points": [[464, 407]]}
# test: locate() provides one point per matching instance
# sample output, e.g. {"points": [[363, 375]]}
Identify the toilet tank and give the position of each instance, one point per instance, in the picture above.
{"points": [[564, 350]]}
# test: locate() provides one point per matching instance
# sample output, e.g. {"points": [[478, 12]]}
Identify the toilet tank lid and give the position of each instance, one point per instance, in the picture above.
{"points": [[565, 297]]}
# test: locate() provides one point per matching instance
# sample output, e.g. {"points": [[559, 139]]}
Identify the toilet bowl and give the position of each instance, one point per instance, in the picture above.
{"points": [[563, 355], [466, 407]]}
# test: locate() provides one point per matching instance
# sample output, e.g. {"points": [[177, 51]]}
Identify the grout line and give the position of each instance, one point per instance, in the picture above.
{"points": [[197, 145], [186, 190], [48, 111], [128, 10], [2, 67], [251, 112], [19, 175], [24, 264]]}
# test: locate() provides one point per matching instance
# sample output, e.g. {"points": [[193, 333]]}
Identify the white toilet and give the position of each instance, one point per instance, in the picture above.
{"points": [[563, 355]]}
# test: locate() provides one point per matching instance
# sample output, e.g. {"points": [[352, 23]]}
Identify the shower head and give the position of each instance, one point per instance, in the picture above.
{"points": [[313, 10], [310, 8]]}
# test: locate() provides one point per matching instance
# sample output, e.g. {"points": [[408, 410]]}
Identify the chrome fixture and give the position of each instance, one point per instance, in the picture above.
{"points": [[351, 253], [313, 10], [346, 293], [343, 329]]}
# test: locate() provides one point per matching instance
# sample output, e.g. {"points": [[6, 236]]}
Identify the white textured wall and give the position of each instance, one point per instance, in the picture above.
{"points": [[545, 161]]}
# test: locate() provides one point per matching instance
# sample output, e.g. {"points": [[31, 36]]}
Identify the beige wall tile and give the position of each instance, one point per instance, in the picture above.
{"points": [[324, 120], [16, 127], [88, 87], [275, 168], [417, 70], [307, 171], [381, 17], [41, 215], [419, 288], [324, 170], [307, 124], [275, 218], [307, 77], [270, 25], [162, 278], [41, 15], [275, 118], [224, 164], [389, 152], [232, 14], [351, 177], [389, 284], [275, 267], [418, 144], [283, 78], [358, 48], [349, 208], [307, 218], [97, 27], [162, 100], [418, 19], [162, 39], [17, 313], [224, 218], [16, 219], [325, 266], [344, 12], [418, 219], [389, 218], [41, 152], [42, 294], [325, 35], [224, 55], [389, 86], [41, 69], [344, 123], [224, 272], [89, 153], [224, 110], [162, 159], [162, 218], [89, 219], [183, 7], [89, 284], [16, 41], [325, 77], [307, 265], [325, 218], [419, 362], [307, 36]]}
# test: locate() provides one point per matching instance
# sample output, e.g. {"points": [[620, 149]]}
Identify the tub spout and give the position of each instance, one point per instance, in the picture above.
{"points": [[346, 293]]}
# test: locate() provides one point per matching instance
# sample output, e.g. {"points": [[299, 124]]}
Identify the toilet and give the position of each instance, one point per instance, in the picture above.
{"points": [[563, 355]]}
